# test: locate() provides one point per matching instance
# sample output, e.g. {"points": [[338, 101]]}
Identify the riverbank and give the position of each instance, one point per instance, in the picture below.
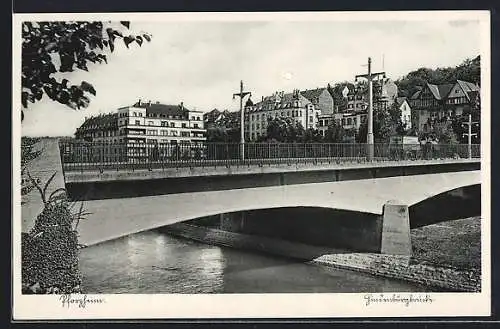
{"points": [[420, 269]]}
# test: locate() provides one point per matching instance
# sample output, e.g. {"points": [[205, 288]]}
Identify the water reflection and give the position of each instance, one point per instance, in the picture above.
{"points": [[153, 262]]}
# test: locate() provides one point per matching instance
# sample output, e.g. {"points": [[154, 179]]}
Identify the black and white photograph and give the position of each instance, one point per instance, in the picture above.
{"points": [[229, 165]]}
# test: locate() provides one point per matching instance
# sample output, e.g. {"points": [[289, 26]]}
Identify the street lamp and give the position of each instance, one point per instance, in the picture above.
{"points": [[242, 95], [370, 76]]}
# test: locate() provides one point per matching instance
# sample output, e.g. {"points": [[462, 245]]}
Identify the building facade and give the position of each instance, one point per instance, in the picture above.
{"points": [[145, 126], [405, 109], [287, 105], [442, 102], [321, 99]]}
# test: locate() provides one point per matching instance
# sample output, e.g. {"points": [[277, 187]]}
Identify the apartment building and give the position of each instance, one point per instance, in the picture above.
{"points": [[280, 104], [442, 102], [145, 125]]}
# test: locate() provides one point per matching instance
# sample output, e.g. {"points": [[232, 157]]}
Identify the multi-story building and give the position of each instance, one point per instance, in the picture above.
{"points": [[142, 124], [321, 99], [348, 120], [292, 105], [442, 102]]}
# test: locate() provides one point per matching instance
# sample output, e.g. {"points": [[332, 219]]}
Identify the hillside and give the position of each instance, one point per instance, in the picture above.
{"points": [[468, 70]]}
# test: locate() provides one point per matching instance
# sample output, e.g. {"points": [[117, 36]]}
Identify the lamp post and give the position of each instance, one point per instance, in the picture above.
{"points": [[370, 76], [469, 134], [242, 95]]}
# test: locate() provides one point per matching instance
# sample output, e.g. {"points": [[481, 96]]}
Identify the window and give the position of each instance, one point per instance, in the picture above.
{"points": [[151, 132], [184, 133], [164, 132], [174, 133], [135, 114], [137, 122], [164, 124], [150, 123], [192, 118], [172, 124], [343, 122], [195, 125], [349, 121], [183, 125]]}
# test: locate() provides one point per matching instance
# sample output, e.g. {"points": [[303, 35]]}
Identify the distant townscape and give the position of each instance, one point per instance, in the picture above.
{"points": [[431, 105]]}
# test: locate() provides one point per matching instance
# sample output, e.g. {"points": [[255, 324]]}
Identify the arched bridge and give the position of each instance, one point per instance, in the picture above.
{"points": [[113, 218]]}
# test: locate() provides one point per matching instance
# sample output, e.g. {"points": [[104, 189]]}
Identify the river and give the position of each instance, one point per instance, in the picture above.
{"points": [[154, 262]]}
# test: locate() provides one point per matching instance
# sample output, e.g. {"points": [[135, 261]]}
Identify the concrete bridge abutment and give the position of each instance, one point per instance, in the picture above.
{"points": [[361, 232]]}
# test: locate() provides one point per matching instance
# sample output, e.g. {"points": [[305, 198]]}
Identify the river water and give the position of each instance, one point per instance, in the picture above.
{"points": [[154, 262]]}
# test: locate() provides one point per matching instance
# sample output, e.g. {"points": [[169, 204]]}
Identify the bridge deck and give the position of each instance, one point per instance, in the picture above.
{"points": [[113, 218], [224, 169]]}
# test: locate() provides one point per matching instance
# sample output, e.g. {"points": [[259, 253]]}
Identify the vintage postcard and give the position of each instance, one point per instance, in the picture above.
{"points": [[251, 165]]}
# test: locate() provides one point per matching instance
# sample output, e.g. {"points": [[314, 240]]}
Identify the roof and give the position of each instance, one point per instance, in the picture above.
{"points": [[157, 109], [440, 91], [469, 88], [312, 94], [416, 94], [100, 121], [284, 100], [400, 100]]}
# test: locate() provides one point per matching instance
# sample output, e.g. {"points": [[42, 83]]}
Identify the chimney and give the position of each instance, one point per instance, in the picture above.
{"points": [[139, 102], [262, 98], [182, 106]]}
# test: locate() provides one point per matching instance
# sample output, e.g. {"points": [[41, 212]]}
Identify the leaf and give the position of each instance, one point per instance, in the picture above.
{"points": [[147, 37], [85, 86], [128, 40], [125, 23], [139, 40], [24, 99]]}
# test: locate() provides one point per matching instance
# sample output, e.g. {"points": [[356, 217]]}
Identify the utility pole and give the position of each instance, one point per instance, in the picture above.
{"points": [[242, 95], [469, 134], [370, 76]]}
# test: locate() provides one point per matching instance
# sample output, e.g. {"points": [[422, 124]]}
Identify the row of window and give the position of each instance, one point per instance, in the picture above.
{"points": [[162, 124], [457, 100], [155, 115]]}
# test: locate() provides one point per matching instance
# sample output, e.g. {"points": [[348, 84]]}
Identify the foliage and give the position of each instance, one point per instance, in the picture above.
{"points": [[51, 47], [223, 135], [335, 133], [286, 130], [383, 127], [440, 132], [336, 92], [468, 70], [50, 249], [28, 154]]}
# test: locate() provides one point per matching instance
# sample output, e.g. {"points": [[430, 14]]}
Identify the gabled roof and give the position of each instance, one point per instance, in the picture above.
{"points": [[469, 88], [440, 91], [312, 94], [416, 94], [400, 100]]}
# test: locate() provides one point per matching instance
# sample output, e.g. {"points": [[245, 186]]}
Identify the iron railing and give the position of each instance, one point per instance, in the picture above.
{"points": [[119, 156]]}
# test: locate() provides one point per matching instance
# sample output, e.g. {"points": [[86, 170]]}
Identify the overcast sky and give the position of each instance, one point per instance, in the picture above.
{"points": [[201, 63]]}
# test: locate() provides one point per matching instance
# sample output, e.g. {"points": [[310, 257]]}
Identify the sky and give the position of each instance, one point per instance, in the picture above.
{"points": [[201, 63]]}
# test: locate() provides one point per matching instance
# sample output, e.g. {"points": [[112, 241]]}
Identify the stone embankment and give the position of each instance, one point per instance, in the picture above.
{"points": [[395, 267]]}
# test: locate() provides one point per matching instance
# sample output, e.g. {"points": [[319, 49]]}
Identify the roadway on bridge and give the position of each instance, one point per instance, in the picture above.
{"points": [[114, 218]]}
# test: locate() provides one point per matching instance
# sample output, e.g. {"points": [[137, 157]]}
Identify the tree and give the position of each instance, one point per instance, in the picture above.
{"points": [[468, 70], [52, 47], [284, 130], [334, 133], [336, 92]]}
